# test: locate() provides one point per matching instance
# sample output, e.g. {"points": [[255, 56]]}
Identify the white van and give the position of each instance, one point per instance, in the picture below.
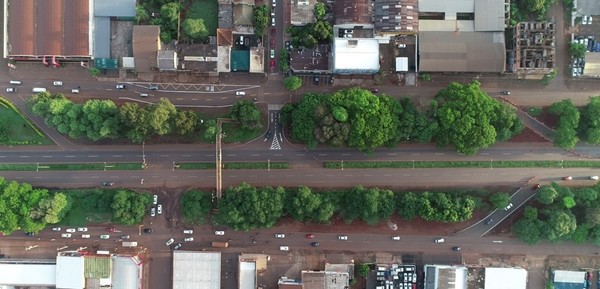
{"points": [[39, 89], [17, 82], [75, 90]]}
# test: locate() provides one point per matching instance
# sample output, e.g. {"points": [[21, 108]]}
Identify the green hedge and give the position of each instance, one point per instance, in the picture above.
{"points": [[462, 164]]}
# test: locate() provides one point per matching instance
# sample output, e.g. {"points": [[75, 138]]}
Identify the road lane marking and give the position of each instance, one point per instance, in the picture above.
{"points": [[186, 156], [255, 155], [322, 155], [230, 155], [23, 156], [93, 156], [392, 154], [180, 98], [2, 156], [69, 156], [485, 154], [439, 154], [117, 156], [164, 156], [46, 156], [415, 154], [345, 154], [300, 155], [278, 155], [194, 99], [506, 154]]}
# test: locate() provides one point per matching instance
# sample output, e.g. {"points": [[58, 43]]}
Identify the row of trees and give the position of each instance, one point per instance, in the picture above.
{"points": [[463, 116], [560, 214], [575, 123], [246, 207]]}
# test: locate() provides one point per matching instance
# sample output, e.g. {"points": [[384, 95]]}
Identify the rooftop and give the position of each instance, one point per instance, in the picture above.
{"points": [[146, 43], [352, 12], [501, 278], [302, 12], [358, 55], [193, 270]]}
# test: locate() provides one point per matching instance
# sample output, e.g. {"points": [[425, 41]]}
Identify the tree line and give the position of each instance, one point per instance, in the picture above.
{"points": [[560, 214], [246, 207], [462, 116], [577, 123]]}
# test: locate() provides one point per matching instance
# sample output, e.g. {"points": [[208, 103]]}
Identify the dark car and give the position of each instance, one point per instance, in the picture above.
{"points": [[107, 184], [374, 90], [125, 237], [489, 221], [29, 234], [148, 231], [505, 92], [316, 80], [456, 248], [153, 87], [315, 244], [268, 135], [177, 246], [287, 45]]}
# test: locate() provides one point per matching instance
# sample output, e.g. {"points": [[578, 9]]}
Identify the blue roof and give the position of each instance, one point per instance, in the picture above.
{"points": [[101, 37], [114, 8], [564, 285]]}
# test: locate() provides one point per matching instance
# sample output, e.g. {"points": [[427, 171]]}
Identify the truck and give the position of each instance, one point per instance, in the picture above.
{"points": [[220, 244], [130, 244]]}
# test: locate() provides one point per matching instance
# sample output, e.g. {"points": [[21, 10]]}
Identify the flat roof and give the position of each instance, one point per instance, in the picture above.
{"points": [[352, 12], [355, 54], [193, 270], [126, 273], [70, 272], [28, 274], [489, 15], [146, 43], [449, 7], [115, 8], [48, 27], [562, 276], [502, 278], [247, 275], [462, 52], [445, 277]]}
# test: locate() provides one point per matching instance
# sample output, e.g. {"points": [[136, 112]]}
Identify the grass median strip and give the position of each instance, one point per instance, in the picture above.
{"points": [[72, 167], [460, 164], [235, 166]]}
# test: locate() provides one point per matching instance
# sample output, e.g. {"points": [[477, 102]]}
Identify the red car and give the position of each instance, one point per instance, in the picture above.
{"points": [[537, 186], [272, 42], [310, 236], [112, 229], [272, 64]]}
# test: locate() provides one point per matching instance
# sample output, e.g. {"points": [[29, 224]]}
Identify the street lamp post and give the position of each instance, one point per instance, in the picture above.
{"points": [[144, 154]]}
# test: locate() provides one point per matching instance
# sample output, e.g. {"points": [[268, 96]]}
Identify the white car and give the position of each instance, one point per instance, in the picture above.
{"points": [[280, 236], [219, 233], [121, 86], [155, 200], [57, 83], [71, 230], [396, 238], [11, 89], [159, 209], [439, 240], [57, 229], [240, 93], [274, 4], [594, 178], [343, 237], [190, 239], [508, 207], [82, 229], [65, 235], [188, 232], [584, 20], [284, 248], [152, 212], [170, 241], [85, 236]]}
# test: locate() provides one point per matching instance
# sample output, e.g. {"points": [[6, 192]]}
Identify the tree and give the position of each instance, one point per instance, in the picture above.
{"points": [[195, 206], [500, 200], [363, 270], [210, 132], [577, 50], [100, 119], [185, 122], [52, 209], [592, 216], [246, 207], [260, 18], [560, 225], [135, 119], [407, 205], [292, 83], [246, 113], [589, 126], [505, 122], [320, 10], [566, 130], [306, 206], [129, 207], [194, 29], [528, 230], [170, 11], [370, 205], [586, 197], [568, 202], [160, 116], [464, 116], [141, 14], [581, 233], [546, 195]]}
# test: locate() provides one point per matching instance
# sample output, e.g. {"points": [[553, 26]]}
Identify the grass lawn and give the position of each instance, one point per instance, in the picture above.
{"points": [[19, 131], [234, 133], [207, 10], [88, 206]]}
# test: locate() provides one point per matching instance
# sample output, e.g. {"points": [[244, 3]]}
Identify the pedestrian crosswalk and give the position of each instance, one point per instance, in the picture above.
{"points": [[275, 143]]}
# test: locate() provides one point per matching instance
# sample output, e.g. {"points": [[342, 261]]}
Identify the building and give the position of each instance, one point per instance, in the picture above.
{"points": [[146, 44], [248, 267], [568, 279], [48, 30], [462, 35], [167, 60], [501, 278], [534, 47], [325, 280], [28, 273], [103, 12], [445, 277], [355, 56], [302, 12], [396, 17], [193, 270]]}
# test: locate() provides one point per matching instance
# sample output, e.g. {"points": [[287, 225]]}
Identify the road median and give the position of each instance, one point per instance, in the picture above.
{"points": [[235, 166], [458, 164]]}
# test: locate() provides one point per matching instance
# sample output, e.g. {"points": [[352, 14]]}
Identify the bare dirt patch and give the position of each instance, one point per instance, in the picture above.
{"points": [[527, 135]]}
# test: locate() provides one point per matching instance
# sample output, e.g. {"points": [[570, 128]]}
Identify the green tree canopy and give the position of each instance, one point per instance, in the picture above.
{"points": [[320, 10], [500, 200], [129, 207], [260, 18], [546, 195], [194, 29], [590, 121], [292, 83], [370, 205], [577, 50], [566, 130], [246, 112], [195, 206], [306, 206]]}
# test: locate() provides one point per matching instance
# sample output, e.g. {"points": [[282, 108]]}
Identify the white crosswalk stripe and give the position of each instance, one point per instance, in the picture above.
{"points": [[275, 144]]}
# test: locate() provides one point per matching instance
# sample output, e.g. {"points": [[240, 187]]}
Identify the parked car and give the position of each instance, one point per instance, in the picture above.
{"points": [[170, 241], [594, 178], [29, 234], [82, 229], [272, 42], [489, 221], [188, 239], [280, 236], [188, 232], [396, 238], [148, 230], [121, 86], [65, 235], [71, 230], [219, 233], [155, 200], [153, 87], [310, 236], [152, 212], [274, 3], [177, 246], [111, 229], [315, 244], [272, 53], [11, 89], [510, 205], [343, 237], [284, 248], [104, 237], [374, 90], [56, 229], [240, 93], [439, 240], [584, 20], [57, 83], [159, 209]]}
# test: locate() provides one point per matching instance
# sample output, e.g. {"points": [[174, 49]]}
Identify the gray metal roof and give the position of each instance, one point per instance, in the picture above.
{"points": [[114, 8], [101, 37], [125, 273], [462, 51], [588, 7], [193, 270], [489, 15]]}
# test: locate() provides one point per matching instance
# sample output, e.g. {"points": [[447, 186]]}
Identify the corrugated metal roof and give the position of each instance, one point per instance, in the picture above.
{"points": [[502, 278], [193, 270], [146, 43], [450, 7], [247, 275], [101, 37], [126, 273], [462, 52], [114, 8], [352, 12], [97, 267], [489, 15], [356, 54], [28, 274], [69, 272]]}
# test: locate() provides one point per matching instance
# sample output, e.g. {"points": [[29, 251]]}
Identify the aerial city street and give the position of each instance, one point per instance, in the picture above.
{"points": [[154, 144]]}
